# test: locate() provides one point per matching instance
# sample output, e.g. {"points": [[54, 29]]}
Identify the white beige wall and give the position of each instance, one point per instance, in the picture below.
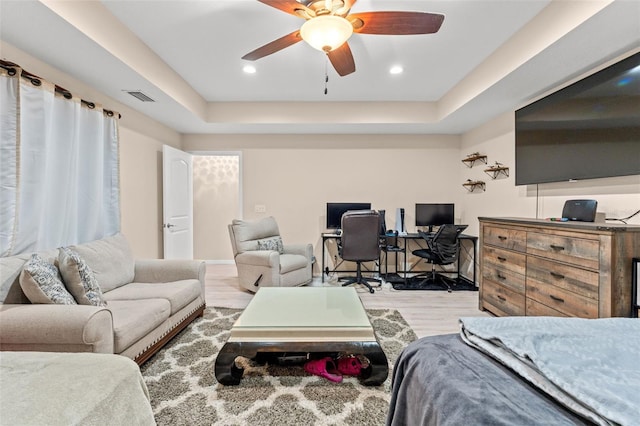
{"points": [[141, 140], [617, 197], [294, 176]]}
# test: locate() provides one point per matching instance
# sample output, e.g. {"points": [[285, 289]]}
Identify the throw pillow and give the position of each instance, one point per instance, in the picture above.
{"points": [[274, 243], [41, 283], [79, 278]]}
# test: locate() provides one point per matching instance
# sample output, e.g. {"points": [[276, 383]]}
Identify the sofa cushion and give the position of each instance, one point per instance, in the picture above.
{"points": [[110, 259], [41, 282], [178, 293], [79, 278], [273, 244], [134, 319], [291, 262]]}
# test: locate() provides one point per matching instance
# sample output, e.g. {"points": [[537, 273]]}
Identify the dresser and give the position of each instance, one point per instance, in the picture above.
{"points": [[540, 267]]}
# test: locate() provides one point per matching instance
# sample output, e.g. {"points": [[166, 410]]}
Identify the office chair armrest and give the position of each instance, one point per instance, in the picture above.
{"points": [[269, 258], [305, 250]]}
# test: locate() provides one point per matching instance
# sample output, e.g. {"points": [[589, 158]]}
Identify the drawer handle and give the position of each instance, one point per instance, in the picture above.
{"points": [[556, 275], [555, 247], [502, 259], [502, 237], [502, 277], [501, 298], [556, 298]]}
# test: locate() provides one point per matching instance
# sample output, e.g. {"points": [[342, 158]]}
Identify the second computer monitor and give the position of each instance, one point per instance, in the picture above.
{"points": [[434, 215]]}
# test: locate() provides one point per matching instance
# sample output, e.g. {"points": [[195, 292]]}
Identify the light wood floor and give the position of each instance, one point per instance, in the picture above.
{"points": [[427, 312]]}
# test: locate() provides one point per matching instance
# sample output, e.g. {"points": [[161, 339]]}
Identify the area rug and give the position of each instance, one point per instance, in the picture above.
{"points": [[184, 390]]}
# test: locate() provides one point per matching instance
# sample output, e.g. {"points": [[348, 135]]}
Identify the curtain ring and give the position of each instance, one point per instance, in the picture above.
{"points": [[91, 105], [67, 95], [36, 82], [109, 113], [11, 71]]}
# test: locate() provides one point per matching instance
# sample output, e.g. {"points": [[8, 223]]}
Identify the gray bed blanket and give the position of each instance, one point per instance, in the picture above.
{"points": [[441, 381], [591, 366]]}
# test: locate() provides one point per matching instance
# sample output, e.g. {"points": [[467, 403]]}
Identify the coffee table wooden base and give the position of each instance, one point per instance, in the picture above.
{"points": [[227, 373]]}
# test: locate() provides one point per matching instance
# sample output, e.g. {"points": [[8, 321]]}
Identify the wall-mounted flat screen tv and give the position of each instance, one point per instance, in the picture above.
{"points": [[336, 210], [590, 129]]}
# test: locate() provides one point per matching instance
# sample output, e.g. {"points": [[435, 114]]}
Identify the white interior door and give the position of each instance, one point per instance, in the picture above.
{"points": [[177, 204]]}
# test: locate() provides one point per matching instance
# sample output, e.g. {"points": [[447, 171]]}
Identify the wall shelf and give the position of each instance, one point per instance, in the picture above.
{"points": [[497, 170], [472, 185], [471, 159]]}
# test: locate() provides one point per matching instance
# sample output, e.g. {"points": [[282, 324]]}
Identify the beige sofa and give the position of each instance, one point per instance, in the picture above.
{"points": [[148, 302]]}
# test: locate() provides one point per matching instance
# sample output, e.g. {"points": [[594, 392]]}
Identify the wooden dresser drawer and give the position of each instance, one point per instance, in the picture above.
{"points": [[579, 281], [538, 309], [576, 251], [513, 239], [504, 277], [502, 301], [510, 260], [566, 302]]}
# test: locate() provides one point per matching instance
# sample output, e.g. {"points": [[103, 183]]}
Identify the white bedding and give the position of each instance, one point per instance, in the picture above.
{"points": [[592, 366]]}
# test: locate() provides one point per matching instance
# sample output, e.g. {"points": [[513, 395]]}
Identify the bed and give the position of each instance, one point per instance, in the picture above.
{"points": [[50, 388], [521, 371]]}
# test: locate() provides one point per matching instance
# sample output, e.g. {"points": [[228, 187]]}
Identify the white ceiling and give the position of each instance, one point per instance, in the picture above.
{"points": [[190, 62]]}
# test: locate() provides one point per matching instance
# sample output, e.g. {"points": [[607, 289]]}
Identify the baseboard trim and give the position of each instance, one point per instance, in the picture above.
{"points": [[219, 262]]}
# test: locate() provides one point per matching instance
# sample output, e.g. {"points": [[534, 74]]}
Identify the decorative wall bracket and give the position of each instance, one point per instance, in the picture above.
{"points": [[497, 170], [471, 159], [472, 185]]}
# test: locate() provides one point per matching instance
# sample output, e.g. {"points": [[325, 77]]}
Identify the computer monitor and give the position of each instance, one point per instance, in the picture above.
{"points": [[336, 210], [434, 215]]}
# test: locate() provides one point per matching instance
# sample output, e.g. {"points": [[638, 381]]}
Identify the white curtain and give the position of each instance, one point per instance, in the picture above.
{"points": [[59, 179]]}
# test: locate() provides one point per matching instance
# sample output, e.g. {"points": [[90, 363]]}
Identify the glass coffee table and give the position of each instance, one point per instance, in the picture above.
{"points": [[302, 320]]}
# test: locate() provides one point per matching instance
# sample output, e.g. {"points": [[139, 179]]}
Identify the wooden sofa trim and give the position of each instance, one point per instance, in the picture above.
{"points": [[151, 350]]}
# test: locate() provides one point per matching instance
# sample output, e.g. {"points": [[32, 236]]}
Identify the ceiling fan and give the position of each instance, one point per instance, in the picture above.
{"points": [[329, 25]]}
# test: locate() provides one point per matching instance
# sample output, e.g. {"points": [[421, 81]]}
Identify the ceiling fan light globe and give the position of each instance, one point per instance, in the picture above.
{"points": [[326, 32]]}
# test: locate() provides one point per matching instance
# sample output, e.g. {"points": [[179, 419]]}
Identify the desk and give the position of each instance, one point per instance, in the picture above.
{"points": [[400, 248]]}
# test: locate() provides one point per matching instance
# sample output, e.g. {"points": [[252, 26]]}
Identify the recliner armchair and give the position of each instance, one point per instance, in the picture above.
{"points": [[442, 249], [263, 260]]}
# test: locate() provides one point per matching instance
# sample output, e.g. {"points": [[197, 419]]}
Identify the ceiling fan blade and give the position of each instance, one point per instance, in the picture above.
{"points": [[274, 46], [342, 60], [396, 23], [290, 6]]}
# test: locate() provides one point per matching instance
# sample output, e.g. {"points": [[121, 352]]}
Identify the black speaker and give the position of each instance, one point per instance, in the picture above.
{"points": [[404, 229], [580, 210]]}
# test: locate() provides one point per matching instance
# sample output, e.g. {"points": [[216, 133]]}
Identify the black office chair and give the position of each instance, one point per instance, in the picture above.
{"points": [[360, 242], [442, 249]]}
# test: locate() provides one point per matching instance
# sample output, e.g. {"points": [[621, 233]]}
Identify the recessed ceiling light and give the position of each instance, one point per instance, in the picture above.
{"points": [[396, 69], [249, 69]]}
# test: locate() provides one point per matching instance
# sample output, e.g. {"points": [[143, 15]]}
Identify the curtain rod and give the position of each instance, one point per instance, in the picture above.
{"points": [[37, 81]]}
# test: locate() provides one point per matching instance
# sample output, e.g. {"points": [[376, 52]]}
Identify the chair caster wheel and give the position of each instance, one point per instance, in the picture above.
{"points": [[371, 291]]}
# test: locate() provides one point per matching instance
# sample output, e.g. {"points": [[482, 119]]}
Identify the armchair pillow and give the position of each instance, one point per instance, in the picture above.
{"points": [[79, 278], [41, 283], [274, 243]]}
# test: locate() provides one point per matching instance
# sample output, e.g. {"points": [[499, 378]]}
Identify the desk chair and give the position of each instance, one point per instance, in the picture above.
{"points": [[442, 249], [360, 242]]}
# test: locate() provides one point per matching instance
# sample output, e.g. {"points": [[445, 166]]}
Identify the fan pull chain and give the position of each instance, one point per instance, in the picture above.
{"points": [[326, 75]]}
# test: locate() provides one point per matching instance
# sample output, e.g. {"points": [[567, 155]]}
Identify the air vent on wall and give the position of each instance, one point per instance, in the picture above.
{"points": [[139, 95]]}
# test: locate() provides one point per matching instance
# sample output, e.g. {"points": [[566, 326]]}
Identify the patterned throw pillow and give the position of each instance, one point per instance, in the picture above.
{"points": [[41, 283], [79, 278], [274, 243]]}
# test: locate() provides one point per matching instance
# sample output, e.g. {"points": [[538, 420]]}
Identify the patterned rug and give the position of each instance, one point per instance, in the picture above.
{"points": [[184, 390]]}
